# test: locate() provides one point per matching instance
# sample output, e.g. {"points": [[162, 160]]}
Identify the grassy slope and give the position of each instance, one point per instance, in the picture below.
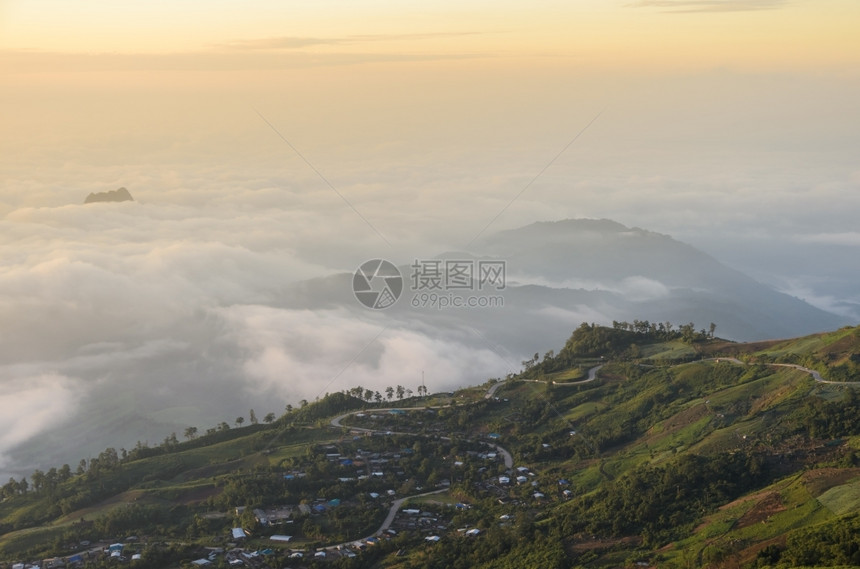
{"points": [[658, 412]]}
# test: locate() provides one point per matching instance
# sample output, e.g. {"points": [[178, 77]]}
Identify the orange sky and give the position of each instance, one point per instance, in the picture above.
{"points": [[747, 34]]}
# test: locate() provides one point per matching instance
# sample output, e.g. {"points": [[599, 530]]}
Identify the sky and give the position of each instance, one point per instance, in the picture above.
{"points": [[266, 143]]}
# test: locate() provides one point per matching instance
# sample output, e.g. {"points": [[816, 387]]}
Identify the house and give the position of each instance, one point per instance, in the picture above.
{"points": [[239, 533]]}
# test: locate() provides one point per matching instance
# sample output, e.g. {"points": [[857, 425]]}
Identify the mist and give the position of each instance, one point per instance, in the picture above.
{"points": [[250, 177]]}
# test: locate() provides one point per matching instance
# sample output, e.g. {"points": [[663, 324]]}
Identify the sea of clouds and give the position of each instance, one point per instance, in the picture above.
{"points": [[177, 306]]}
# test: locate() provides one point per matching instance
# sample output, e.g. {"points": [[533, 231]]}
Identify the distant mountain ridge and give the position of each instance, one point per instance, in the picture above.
{"points": [[562, 273], [118, 195]]}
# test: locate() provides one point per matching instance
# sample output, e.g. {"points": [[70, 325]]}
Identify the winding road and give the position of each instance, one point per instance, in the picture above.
{"points": [[815, 375], [398, 503], [592, 375]]}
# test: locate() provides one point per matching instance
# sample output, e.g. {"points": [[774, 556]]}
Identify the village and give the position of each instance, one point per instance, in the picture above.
{"points": [[421, 485]]}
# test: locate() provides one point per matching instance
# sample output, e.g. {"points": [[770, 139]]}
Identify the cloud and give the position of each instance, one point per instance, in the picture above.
{"points": [[634, 288], [711, 5], [33, 404], [306, 354], [276, 43], [845, 238], [575, 316], [298, 42], [843, 306]]}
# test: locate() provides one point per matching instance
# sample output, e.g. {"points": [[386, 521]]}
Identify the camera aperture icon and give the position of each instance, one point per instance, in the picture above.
{"points": [[377, 284]]}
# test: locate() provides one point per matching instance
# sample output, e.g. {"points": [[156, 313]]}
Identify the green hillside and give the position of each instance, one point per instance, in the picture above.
{"points": [[681, 450]]}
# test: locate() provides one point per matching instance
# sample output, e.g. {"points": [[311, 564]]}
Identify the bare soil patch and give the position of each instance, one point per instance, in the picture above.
{"points": [[769, 505]]}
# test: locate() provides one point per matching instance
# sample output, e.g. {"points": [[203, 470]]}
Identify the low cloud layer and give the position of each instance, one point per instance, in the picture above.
{"points": [[306, 354], [177, 305], [34, 403]]}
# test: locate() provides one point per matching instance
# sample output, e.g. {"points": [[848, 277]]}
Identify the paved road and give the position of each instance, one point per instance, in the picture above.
{"points": [[389, 519], [506, 456], [815, 375], [395, 507], [336, 422], [492, 390], [592, 375]]}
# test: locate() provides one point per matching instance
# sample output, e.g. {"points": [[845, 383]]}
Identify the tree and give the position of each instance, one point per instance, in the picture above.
{"points": [[239, 421], [190, 433], [389, 393], [303, 403], [38, 479], [252, 417], [712, 329], [688, 331], [269, 418], [289, 408], [400, 391], [377, 397]]}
